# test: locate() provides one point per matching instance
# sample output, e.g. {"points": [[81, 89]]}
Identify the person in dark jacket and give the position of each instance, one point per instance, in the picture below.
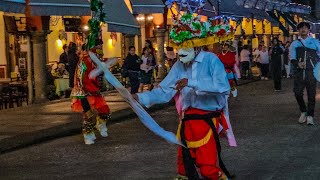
{"points": [[304, 54], [73, 60], [132, 66], [64, 57], [276, 63]]}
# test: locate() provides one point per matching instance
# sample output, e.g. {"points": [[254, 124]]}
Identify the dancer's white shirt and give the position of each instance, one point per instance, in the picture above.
{"points": [[207, 84]]}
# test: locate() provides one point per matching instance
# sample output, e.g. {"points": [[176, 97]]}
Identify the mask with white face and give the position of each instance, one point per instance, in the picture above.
{"points": [[186, 55]]}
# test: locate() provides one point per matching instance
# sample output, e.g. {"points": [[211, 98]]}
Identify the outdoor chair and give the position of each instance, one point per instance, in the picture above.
{"points": [[22, 93], [1, 103]]}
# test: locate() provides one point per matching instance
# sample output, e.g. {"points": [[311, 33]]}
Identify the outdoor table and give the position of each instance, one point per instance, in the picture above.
{"points": [[61, 84]]}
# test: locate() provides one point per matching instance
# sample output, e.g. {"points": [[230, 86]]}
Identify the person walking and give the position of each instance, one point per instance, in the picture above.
{"points": [[304, 54], [73, 60], [146, 69], [286, 60], [228, 58], [132, 66], [152, 51], [264, 62], [245, 61], [276, 63]]}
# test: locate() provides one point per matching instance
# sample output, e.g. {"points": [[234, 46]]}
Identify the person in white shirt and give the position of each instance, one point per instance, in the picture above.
{"points": [[256, 55], [286, 59], [146, 69], [245, 61], [264, 61]]}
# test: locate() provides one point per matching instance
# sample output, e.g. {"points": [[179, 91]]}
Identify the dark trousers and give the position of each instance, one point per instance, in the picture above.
{"points": [[310, 84], [71, 78], [276, 75], [264, 70], [85, 105], [245, 69], [134, 81]]}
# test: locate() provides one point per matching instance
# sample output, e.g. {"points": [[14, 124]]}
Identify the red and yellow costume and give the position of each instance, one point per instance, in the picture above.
{"points": [[87, 88], [200, 88], [203, 142], [229, 60], [86, 97]]}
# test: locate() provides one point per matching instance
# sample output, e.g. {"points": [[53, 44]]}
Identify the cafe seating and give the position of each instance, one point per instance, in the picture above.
{"points": [[13, 95]]}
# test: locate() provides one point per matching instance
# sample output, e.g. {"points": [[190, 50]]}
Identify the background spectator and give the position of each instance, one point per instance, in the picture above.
{"points": [[245, 62], [61, 71], [131, 67], [286, 60], [256, 56], [64, 57], [73, 60], [264, 61], [146, 69], [152, 51], [276, 63]]}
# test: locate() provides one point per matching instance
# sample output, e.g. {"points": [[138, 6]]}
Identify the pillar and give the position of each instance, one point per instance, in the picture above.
{"points": [[160, 39], [123, 47], [40, 61], [128, 41], [30, 72], [140, 45]]}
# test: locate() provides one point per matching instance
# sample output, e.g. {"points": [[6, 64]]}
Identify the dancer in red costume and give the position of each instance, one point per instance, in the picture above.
{"points": [[228, 58], [86, 97]]}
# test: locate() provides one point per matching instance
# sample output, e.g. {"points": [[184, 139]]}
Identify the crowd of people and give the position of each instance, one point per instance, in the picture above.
{"points": [[272, 62]]}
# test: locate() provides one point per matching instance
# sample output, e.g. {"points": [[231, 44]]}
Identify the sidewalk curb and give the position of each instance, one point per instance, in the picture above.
{"points": [[52, 102], [72, 128]]}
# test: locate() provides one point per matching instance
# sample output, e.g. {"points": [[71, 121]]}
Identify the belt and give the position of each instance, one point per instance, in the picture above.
{"points": [[134, 71]]}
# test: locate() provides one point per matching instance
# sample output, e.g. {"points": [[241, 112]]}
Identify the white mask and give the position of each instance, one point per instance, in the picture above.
{"points": [[186, 55]]}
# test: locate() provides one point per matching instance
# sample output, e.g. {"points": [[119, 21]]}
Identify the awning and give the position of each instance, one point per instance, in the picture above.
{"points": [[310, 19], [119, 18], [147, 6], [13, 6], [230, 8]]}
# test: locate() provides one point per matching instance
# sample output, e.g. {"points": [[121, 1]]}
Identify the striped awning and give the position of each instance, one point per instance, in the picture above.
{"points": [[147, 6], [126, 23]]}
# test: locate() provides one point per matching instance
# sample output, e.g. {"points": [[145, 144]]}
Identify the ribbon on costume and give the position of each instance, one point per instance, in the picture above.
{"points": [[144, 117], [230, 135]]}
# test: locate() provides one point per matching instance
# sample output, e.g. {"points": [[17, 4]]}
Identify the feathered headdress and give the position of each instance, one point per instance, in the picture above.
{"points": [[98, 18], [189, 31]]}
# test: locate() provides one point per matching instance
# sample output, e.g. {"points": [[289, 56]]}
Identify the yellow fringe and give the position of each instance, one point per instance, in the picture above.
{"points": [[199, 143], [201, 42]]}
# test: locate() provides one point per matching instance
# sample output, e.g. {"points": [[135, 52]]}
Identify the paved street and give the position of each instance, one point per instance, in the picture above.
{"points": [[271, 145], [43, 116]]}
